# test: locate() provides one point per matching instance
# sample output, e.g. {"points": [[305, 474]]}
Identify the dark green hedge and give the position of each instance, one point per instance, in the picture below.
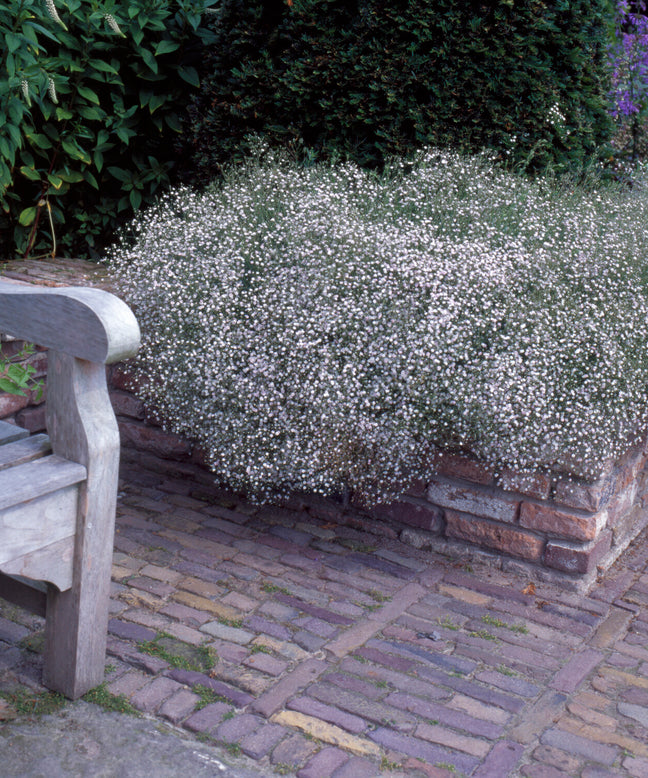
{"points": [[377, 77]]}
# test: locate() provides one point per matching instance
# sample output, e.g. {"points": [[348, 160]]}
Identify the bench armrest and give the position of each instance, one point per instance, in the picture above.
{"points": [[85, 323]]}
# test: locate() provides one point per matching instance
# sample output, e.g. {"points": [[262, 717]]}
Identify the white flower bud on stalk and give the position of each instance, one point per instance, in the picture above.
{"points": [[112, 23], [51, 10], [24, 86], [51, 90]]}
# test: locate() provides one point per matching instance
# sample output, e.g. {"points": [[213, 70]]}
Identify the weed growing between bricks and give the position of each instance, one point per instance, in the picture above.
{"points": [[180, 654], [112, 702], [25, 702]]}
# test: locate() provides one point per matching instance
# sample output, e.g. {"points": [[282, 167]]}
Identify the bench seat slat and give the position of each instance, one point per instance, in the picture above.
{"points": [[28, 481], [10, 432], [33, 447]]}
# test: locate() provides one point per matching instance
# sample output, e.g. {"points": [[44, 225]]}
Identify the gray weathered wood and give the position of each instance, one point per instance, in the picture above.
{"points": [[86, 323], [26, 527], [57, 511], [52, 564], [26, 450], [34, 479], [25, 594], [10, 432], [82, 428]]}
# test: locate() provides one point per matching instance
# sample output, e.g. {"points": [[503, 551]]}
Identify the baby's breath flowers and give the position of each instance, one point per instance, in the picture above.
{"points": [[326, 328]]}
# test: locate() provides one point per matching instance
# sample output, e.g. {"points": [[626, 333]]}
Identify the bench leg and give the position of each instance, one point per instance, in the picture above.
{"points": [[82, 428]]}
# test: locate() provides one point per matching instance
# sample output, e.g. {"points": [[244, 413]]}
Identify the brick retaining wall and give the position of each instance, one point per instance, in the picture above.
{"points": [[550, 525]]}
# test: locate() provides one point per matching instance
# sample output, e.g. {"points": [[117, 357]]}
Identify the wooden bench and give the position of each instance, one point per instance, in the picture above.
{"points": [[58, 491]]}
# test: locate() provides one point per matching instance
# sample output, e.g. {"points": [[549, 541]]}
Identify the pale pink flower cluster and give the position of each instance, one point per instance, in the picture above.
{"points": [[327, 328]]}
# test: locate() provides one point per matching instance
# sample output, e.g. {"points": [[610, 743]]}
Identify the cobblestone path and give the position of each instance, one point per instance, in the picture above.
{"points": [[323, 650]]}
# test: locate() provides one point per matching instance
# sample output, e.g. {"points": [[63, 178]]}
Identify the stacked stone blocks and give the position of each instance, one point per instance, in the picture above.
{"points": [[547, 519]]}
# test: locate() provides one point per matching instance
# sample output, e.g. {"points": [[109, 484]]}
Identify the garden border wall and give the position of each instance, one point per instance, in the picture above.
{"points": [[548, 525]]}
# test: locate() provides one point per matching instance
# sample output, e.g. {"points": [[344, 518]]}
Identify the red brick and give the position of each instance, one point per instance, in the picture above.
{"points": [[32, 419], [125, 404], [536, 485], [622, 504], [498, 536], [121, 378], [10, 404], [547, 518], [415, 514], [458, 466], [584, 496], [486, 503], [143, 438], [573, 558]]}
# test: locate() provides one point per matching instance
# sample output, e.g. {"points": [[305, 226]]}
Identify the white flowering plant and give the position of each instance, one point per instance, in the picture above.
{"points": [[326, 328]]}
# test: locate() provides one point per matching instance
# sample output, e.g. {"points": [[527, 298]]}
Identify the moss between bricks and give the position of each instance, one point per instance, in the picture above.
{"points": [[23, 702], [109, 701], [180, 654]]}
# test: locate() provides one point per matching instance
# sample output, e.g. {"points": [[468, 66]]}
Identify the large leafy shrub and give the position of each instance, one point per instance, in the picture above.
{"points": [[374, 78], [91, 99], [324, 328]]}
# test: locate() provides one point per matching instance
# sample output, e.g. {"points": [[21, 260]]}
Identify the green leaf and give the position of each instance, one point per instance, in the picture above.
{"points": [[135, 198], [156, 102], [27, 216], [71, 177], [16, 135], [119, 174], [55, 180], [90, 113], [124, 134], [165, 47], [39, 140], [8, 386], [173, 122], [13, 42], [189, 74], [149, 59], [6, 151], [62, 114], [30, 173], [73, 150], [89, 177], [88, 94], [102, 66]]}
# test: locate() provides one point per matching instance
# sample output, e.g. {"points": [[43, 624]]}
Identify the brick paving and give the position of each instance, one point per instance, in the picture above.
{"points": [[324, 649]]}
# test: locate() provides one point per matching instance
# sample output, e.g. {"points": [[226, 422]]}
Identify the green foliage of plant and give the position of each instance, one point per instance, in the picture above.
{"points": [[91, 101], [374, 78], [109, 701], [180, 654], [207, 696], [17, 374], [28, 703]]}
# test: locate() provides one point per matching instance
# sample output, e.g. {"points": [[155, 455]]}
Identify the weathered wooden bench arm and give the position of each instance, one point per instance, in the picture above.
{"points": [[84, 329], [85, 323]]}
